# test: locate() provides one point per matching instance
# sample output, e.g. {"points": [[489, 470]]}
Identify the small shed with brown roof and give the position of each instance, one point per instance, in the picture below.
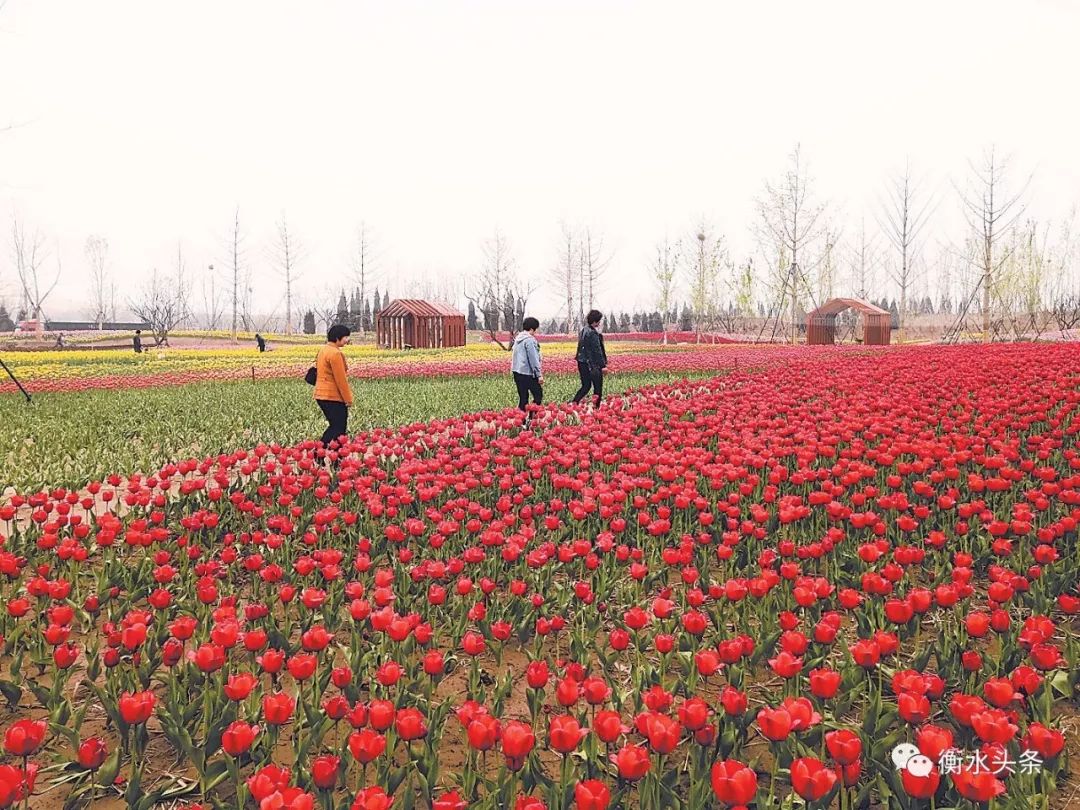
{"points": [[409, 323], [821, 323]]}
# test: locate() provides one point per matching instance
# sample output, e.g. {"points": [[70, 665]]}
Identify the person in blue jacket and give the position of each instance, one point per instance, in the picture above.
{"points": [[526, 366]]}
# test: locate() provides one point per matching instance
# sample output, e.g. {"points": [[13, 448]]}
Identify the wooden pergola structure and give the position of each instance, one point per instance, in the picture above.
{"points": [[409, 323], [821, 323]]}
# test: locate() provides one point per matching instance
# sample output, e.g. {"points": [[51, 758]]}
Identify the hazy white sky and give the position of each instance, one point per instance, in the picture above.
{"points": [[435, 122]]}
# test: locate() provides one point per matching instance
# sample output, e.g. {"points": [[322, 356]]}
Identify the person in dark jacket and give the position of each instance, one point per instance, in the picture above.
{"points": [[137, 341], [261, 342], [525, 365], [591, 358]]}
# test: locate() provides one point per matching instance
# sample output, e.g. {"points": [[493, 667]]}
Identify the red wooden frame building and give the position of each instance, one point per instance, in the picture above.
{"points": [[821, 323], [409, 323]]}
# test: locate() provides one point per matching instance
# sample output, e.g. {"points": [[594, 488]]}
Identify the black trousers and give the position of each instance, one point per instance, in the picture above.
{"points": [[589, 379], [337, 414], [528, 384]]}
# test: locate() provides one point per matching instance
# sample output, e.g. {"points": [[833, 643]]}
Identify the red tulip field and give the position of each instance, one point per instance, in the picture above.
{"points": [[828, 579]]}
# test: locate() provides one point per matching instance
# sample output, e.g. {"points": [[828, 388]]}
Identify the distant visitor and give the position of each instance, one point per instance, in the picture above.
{"points": [[261, 341], [137, 341]]}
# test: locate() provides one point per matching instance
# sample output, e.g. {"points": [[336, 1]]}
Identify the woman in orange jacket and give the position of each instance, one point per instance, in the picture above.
{"points": [[332, 391]]}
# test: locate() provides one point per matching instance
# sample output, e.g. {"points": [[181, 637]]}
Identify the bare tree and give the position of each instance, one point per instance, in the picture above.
{"points": [[213, 300], [238, 284], [991, 210], [743, 290], [790, 223], [161, 304], [30, 255], [864, 262], [286, 254], [665, 267], [97, 254], [827, 266], [903, 217], [702, 262], [363, 264], [496, 281], [182, 285], [594, 261], [565, 273]]}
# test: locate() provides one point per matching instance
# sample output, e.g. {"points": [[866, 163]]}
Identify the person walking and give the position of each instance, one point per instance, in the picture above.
{"points": [[591, 358], [332, 391], [261, 342], [526, 367], [137, 341]]}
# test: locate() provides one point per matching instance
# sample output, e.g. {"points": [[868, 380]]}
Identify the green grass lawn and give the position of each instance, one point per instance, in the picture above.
{"points": [[70, 439]]}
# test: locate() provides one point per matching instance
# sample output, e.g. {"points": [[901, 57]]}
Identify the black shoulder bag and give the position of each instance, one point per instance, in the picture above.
{"points": [[312, 375]]}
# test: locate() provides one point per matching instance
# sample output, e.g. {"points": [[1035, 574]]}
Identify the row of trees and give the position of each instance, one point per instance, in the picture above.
{"points": [[1007, 275]]}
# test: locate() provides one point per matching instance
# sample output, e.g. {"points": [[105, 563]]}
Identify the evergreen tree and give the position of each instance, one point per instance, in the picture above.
{"points": [[376, 304], [686, 320], [342, 309], [356, 311], [368, 321], [624, 322], [6, 324], [385, 299], [471, 320], [894, 311], [309, 323]]}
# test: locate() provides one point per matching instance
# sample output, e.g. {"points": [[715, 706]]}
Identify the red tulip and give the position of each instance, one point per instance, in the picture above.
{"points": [[372, 798], [24, 737], [775, 724], [238, 687], [786, 665], [409, 724], [933, 741], [663, 733], [592, 794], [278, 708], [912, 708], [1046, 742], [381, 713], [564, 733], [92, 753], [920, 787], [136, 708], [517, 742], [979, 785], [302, 666], [811, 778], [324, 771], [366, 745], [993, 725], [824, 683], [238, 738], [844, 746], [483, 732], [866, 654], [733, 782], [632, 761], [733, 701]]}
